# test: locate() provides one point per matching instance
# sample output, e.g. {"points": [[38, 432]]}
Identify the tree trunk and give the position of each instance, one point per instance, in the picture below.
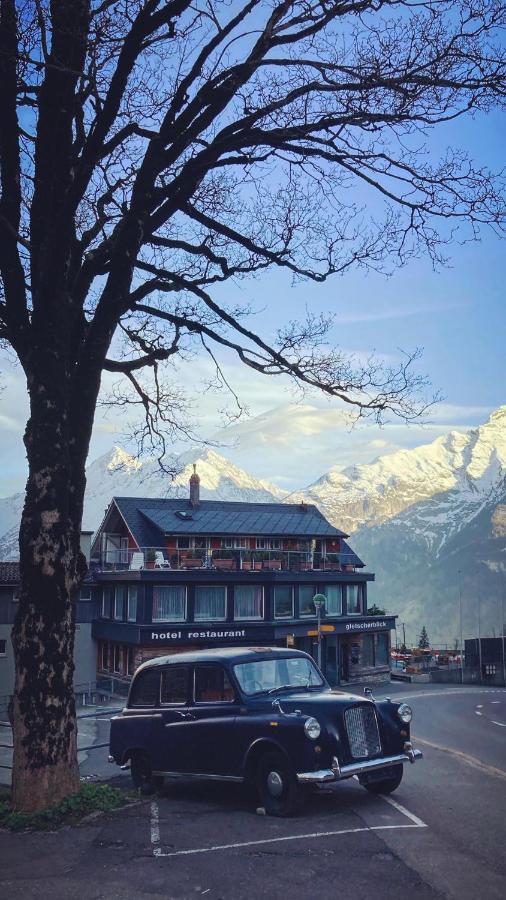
{"points": [[42, 711]]}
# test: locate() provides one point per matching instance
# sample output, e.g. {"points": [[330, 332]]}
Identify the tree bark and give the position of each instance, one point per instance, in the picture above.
{"points": [[42, 711]]}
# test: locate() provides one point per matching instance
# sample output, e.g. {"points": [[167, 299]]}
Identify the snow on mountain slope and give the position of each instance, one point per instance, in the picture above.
{"points": [[118, 473], [444, 483]]}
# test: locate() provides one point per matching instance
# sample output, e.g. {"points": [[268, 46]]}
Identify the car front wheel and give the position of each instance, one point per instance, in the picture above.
{"points": [[142, 776], [385, 785], [279, 792]]}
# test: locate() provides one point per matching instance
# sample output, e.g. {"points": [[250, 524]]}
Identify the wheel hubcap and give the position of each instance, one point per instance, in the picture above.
{"points": [[274, 784]]}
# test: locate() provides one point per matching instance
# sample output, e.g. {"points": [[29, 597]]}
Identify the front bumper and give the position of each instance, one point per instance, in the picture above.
{"points": [[337, 772]]}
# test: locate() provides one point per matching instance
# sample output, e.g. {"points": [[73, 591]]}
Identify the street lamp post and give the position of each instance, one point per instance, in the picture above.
{"points": [[319, 603]]}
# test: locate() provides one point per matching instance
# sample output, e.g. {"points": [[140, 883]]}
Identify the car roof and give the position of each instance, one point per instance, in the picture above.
{"points": [[223, 654]]}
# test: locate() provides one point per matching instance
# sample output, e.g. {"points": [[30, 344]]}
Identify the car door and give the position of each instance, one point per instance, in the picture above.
{"points": [[174, 700], [211, 749]]}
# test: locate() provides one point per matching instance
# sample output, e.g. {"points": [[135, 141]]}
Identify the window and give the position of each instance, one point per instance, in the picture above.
{"points": [[236, 542], [367, 655], [118, 658], [169, 603], [381, 649], [175, 684], [85, 592], [212, 685], [248, 601], [283, 601], [3, 648], [264, 675], [210, 602], [104, 662], [145, 688], [306, 605], [120, 601], [354, 599], [107, 595], [132, 603], [183, 543], [130, 661], [268, 544], [333, 593], [200, 543]]}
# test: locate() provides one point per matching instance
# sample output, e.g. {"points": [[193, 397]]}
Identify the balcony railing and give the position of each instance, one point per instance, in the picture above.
{"points": [[223, 560]]}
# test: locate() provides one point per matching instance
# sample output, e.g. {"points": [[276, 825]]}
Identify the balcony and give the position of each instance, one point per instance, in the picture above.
{"points": [[159, 558]]}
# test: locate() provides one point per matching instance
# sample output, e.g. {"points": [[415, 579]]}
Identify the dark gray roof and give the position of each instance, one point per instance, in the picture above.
{"points": [[349, 557], [148, 519], [9, 573]]}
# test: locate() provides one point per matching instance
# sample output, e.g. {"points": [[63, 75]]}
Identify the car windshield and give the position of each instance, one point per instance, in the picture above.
{"points": [[271, 675]]}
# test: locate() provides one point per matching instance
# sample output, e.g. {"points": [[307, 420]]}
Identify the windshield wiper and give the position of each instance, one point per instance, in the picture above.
{"points": [[286, 687]]}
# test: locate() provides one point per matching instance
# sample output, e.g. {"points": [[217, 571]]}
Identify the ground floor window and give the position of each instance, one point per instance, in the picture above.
{"points": [[132, 603], [248, 601], [306, 605], [283, 601], [210, 602], [3, 648], [169, 603], [354, 594], [334, 604]]}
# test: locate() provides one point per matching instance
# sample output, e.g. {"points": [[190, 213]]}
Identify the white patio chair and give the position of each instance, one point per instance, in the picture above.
{"points": [[160, 561], [137, 561]]}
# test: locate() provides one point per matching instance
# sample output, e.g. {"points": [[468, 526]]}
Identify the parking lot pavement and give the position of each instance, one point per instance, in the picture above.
{"points": [[198, 840]]}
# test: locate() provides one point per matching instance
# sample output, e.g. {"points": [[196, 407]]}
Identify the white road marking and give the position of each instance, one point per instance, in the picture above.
{"points": [[289, 837], [479, 706], [495, 701], [478, 713], [405, 812], [501, 724], [155, 829], [158, 852]]}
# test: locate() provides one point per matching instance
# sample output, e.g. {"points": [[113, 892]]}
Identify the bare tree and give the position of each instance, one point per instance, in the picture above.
{"points": [[151, 151]]}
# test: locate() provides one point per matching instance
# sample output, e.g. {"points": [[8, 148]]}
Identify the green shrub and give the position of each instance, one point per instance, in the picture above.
{"points": [[91, 798]]}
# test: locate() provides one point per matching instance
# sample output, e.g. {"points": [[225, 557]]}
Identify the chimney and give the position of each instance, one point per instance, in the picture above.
{"points": [[194, 488], [303, 507]]}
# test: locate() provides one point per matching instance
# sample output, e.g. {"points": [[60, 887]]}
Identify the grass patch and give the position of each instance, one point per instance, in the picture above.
{"points": [[91, 798]]}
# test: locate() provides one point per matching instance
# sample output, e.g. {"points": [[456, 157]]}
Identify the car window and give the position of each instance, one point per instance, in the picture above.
{"points": [[268, 674], [212, 685], [175, 684], [145, 689]]}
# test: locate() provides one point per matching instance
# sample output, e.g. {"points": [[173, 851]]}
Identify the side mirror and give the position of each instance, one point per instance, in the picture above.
{"points": [[368, 693]]}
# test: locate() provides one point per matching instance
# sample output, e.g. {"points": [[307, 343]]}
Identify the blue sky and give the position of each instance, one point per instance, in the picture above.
{"points": [[456, 314]]}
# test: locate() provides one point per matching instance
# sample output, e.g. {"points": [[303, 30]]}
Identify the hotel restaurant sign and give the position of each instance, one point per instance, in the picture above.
{"points": [[232, 632]]}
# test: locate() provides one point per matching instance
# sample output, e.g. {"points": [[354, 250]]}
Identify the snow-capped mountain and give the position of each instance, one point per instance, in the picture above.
{"points": [[444, 484], [120, 474]]}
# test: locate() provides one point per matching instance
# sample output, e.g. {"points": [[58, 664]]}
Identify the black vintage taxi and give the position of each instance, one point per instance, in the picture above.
{"points": [[264, 716]]}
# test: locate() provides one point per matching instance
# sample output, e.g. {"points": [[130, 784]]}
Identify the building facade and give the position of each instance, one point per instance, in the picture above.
{"points": [[173, 575]]}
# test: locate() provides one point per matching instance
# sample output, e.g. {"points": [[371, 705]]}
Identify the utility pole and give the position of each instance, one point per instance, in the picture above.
{"points": [[403, 635], [479, 638], [461, 633], [502, 633]]}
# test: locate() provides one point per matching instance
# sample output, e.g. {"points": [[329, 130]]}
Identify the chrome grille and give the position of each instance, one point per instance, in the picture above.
{"points": [[362, 729]]}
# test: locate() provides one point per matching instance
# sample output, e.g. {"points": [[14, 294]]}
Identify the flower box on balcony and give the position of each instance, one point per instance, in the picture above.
{"points": [[271, 564], [192, 562], [251, 564], [223, 563]]}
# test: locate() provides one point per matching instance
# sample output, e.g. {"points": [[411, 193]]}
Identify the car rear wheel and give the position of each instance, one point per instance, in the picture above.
{"points": [[142, 776], [385, 785], [279, 792]]}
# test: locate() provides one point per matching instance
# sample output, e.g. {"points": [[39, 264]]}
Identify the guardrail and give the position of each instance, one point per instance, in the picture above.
{"points": [[98, 713], [236, 560]]}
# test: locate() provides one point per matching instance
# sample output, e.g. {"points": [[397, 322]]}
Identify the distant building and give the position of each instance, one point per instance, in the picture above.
{"points": [[485, 660]]}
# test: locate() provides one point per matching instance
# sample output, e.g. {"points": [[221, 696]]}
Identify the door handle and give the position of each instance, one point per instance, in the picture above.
{"points": [[184, 714]]}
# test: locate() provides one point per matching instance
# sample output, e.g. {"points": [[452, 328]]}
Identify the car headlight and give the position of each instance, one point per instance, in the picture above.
{"points": [[405, 713], [312, 728]]}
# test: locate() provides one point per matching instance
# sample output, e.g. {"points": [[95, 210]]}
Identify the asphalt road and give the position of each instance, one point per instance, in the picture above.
{"points": [[441, 835]]}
